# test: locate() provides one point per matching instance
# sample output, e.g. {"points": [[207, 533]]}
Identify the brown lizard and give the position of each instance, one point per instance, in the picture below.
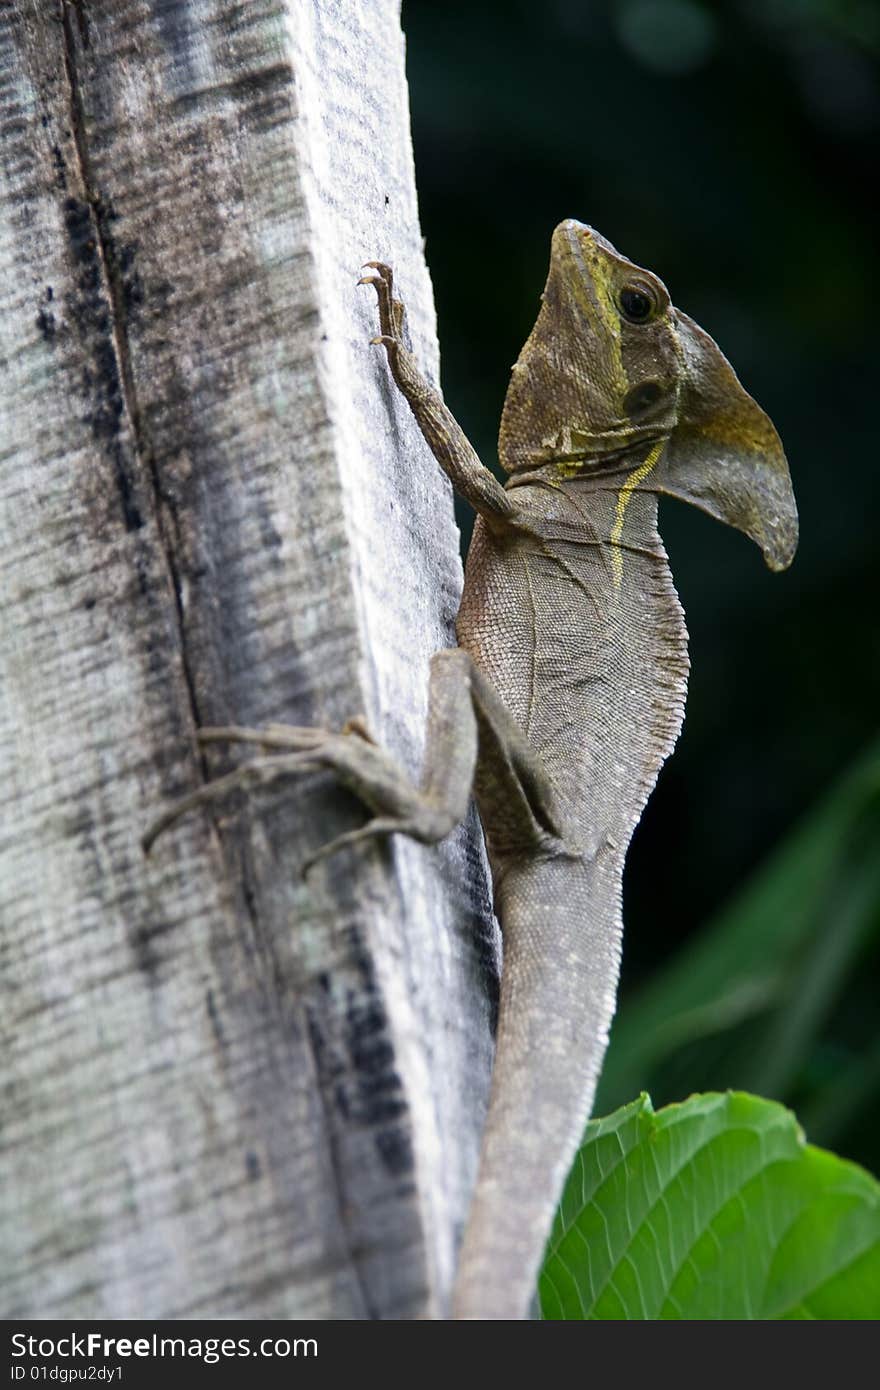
{"points": [[566, 693]]}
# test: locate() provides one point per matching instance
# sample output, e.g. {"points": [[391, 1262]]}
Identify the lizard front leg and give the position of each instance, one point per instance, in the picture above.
{"points": [[464, 715], [448, 442]]}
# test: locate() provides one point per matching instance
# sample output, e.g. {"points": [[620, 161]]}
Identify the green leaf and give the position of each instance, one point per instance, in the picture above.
{"points": [[715, 1208]]}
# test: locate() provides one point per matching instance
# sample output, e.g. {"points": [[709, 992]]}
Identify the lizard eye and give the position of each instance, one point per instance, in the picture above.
{"points": [[637, 303]]}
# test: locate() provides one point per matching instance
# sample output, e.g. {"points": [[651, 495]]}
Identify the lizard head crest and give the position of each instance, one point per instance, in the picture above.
{"points": [[612, 368]]}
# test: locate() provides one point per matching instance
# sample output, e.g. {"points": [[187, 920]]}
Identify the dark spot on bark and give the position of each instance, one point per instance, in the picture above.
{"points": [[47, 325], [160, 293], [132, 292], [60, 167], [214, 1017], [355, 1067], [120, 260], [82, 20], [50, 293], [264, 96], [143, 943], [481, 932], [368, 1045], [91, 318], [15, 129], [394, 1147], [253, 1166], [175, 26], [89, 603], [78, 823], [379, 1094], [250, 898], [316, 1038]]}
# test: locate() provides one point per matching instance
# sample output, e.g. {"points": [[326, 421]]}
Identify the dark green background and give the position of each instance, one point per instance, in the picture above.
{"points": [[731, 148]]}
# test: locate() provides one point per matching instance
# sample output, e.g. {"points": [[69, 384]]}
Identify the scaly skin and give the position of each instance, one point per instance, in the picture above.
{"points": [[595, 674], [566, 693]]}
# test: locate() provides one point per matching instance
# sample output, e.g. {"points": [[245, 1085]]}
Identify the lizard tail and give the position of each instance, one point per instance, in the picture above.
{"points": [[562, 934]]}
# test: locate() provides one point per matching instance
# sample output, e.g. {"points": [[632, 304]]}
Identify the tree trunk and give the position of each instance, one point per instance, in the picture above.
{"points": [[229, 1092]]}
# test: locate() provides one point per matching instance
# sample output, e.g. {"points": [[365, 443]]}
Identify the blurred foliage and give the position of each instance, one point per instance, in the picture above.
{"points": [[749, 999], [730, 148]]}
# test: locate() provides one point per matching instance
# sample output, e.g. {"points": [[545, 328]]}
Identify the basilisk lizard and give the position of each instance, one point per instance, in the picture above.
{"points": [[566, 692]]}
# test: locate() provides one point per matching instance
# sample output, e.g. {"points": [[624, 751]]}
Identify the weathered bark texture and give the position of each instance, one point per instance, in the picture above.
{"points": [[226, 1092]]}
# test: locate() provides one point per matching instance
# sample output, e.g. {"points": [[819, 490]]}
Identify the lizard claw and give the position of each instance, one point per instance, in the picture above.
{"points": [[385, 271], [357, 725], [391, 310], [259, 772], [374, 829]]}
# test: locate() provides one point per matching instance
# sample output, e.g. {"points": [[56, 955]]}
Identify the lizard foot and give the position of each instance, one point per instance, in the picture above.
{"points": [[392, 312], [354, 757]]}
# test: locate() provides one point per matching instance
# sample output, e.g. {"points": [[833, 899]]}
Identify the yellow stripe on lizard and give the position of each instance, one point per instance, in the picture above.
{"points": [[638, 475]]}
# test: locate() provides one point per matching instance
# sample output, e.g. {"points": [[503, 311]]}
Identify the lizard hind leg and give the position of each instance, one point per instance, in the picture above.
{"points": [[426, 813]]}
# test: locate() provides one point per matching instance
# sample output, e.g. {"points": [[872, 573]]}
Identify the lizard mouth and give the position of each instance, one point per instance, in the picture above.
{"points": [[612, 446], [583, 464]]}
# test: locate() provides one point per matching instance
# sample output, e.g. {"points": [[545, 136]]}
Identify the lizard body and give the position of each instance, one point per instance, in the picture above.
{"points": [[594, 673], [566, 693]]}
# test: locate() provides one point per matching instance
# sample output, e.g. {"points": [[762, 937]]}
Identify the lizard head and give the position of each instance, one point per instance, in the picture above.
{"points": [[611, 366]]}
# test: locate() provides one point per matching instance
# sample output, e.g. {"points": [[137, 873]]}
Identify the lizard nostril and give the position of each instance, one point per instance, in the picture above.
{"points": [[642, 397]]}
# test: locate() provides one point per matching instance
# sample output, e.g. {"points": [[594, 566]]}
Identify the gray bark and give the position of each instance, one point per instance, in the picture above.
{"points": [[227, 1092]]}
